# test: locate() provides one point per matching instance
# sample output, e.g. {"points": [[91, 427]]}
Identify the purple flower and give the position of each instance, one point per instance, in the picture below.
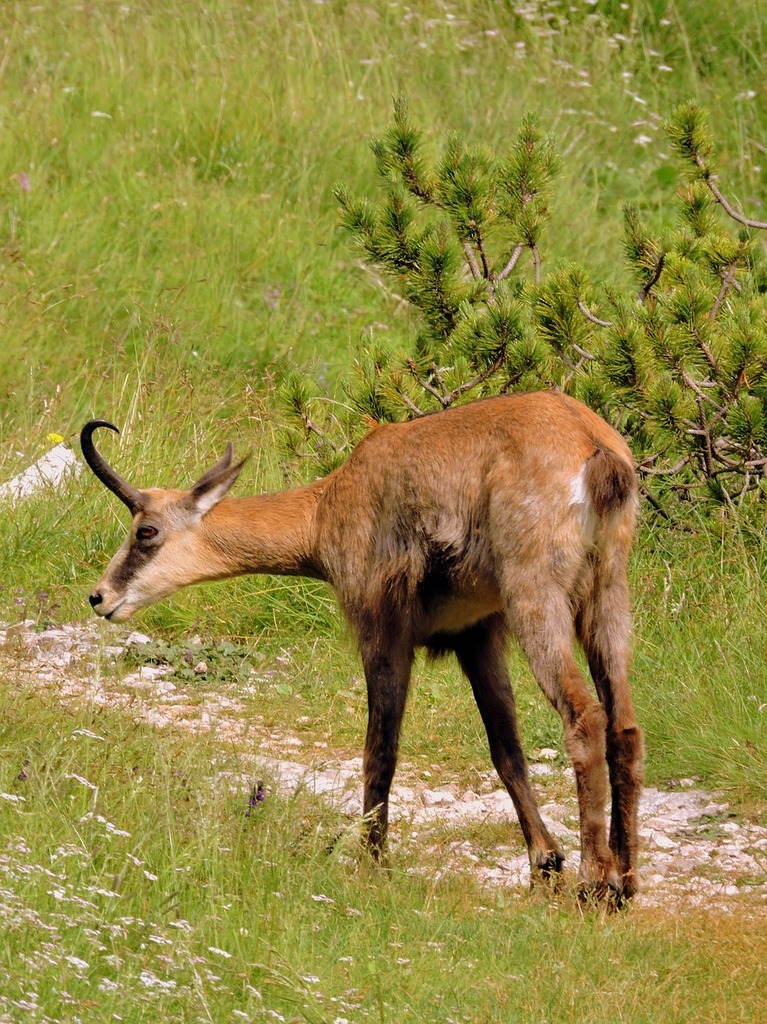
{"points": [[257, 796], [23, 181]]}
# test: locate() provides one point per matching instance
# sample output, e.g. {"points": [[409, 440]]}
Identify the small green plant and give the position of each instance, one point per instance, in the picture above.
{"points": [[677, 358], [682, 364], [456, 243], [196, 661]]}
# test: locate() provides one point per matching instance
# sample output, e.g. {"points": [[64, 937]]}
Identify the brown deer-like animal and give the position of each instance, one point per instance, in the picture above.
{"points": [[512, 514]]}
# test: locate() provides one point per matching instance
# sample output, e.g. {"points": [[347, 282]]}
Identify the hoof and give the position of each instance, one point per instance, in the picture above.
{"points": [[602, 896], [629, 886], [546, 867], [601, 884]]}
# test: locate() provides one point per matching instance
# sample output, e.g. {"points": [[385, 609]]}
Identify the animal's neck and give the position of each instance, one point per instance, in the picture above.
{"points": [[268, 533]]}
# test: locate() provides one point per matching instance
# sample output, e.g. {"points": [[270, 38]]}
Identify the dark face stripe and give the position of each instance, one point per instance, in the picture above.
{"points": [[130, 567]]}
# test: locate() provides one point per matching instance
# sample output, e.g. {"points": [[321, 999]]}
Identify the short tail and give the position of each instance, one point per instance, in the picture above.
{"points": [[610, 481]]}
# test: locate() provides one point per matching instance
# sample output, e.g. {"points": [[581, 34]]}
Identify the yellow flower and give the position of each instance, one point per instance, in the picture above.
{"points": [[55, 438]]}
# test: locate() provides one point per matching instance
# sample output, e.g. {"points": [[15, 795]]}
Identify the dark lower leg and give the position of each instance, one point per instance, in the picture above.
{"points": [[387, 678], [625, 757], [480, 653]]}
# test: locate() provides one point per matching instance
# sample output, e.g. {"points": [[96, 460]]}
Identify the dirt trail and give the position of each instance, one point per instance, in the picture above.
{"points": [[696, 851]]}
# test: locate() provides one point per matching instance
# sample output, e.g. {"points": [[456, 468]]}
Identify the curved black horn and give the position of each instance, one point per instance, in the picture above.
{"points": [[130, 496]]}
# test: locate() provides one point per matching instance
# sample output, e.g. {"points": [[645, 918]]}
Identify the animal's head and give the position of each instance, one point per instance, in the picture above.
{"points": [[165, 549]]}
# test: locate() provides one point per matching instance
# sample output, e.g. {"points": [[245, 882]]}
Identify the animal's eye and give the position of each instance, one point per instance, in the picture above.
{"points": [[146, 532]]}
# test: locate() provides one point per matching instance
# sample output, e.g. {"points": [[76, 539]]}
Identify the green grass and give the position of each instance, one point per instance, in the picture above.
{"points": [[163, 266], [179, 166], [136, 888]]}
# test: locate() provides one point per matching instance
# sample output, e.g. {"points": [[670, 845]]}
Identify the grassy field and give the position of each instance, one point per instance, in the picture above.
{"points": [[168, 249], [135, 888]]}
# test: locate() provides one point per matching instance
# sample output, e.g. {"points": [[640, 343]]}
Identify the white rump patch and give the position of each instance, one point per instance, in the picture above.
{"points": [[578, 495]]}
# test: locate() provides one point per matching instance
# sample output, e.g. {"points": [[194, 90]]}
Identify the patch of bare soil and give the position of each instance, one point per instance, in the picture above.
{"points": [[696, 850]]}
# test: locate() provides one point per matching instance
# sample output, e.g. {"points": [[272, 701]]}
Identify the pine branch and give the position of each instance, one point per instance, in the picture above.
{"points": [[410, 404], [706, 174], [482, 254], [512, 263], [447, 398], [471, 259], [590, 316], [708, 354], [648, 287], [653, 501], [483, 376], [536, 262], [426, 384], [587, 356], [728, 280], [312, 428], [646, 470]]}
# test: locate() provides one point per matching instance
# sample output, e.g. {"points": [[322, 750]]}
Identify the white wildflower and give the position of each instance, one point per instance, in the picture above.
{"points": [[89, 734], [115, 831], [82, 781], [76, 962], [152, 981]]}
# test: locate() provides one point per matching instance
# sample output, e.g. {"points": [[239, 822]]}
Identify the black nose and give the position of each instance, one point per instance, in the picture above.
{"points": [[95, 599]]}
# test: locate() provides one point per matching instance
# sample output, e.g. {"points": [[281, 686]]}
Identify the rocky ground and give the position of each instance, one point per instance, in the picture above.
{"points": [[696, 850]]}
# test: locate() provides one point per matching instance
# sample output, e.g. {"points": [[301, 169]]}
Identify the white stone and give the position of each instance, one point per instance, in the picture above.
{"points": [[662, 841], [48, 471], [138, 638], [437, 798], [555, 812]]}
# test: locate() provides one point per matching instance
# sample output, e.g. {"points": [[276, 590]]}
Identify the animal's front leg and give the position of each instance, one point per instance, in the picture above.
{"points": [[480, 652], [387, 672]]}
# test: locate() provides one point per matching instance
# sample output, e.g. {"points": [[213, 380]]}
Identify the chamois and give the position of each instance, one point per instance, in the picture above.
{"points": [[510, 515]]}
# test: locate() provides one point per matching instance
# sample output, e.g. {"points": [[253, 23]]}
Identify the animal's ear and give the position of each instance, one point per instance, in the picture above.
{"points": [[214, 483]]}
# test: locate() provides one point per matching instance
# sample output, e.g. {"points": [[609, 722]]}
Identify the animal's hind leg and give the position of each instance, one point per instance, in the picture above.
{"points": [[480, 652], [604, 626], [542, 619]]}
